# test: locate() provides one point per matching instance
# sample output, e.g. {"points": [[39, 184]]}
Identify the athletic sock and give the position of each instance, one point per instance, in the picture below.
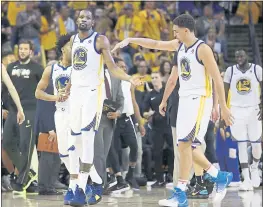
{"points": [[245, 172], [82, 180], [182, 184], [72, 184], [212, 171]]}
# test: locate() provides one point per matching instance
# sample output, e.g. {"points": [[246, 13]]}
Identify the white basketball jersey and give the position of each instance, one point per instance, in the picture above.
{"points": [[87, 62], [60, 78], [193, 77], [244, 87]]}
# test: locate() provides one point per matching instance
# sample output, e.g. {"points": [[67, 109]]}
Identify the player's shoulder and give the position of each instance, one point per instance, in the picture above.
{"points": [[258, 67]]}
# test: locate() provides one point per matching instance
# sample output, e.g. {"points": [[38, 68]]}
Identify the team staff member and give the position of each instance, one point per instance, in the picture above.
{"points": [[18, 141], [125, 136], [161, 131]]}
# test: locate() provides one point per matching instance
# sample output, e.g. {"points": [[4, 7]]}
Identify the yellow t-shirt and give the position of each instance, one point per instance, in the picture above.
{"points": [[152, 24], [12, 11], [119, 6], [146, 78], [49, 40], [127, 27], [256, 11], [79, 5]]}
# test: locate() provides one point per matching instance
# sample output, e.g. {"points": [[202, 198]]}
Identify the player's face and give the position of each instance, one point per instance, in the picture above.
{"points": [[180, 33], [122, 66], [241, 57], [85, 20], [67, 51], [156, 79], [24, 52]]}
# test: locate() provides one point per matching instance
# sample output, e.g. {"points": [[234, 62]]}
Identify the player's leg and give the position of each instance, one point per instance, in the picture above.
{"points": [[239, 133], [185, 130], [255, 137]]}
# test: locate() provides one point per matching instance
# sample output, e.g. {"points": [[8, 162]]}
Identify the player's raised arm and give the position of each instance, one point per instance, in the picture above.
{"points": [[149, 43], [104, 45], [206, 55]]}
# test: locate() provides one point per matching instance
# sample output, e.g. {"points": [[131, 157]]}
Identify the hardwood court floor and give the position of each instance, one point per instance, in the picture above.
{"points": [[143, 198]]}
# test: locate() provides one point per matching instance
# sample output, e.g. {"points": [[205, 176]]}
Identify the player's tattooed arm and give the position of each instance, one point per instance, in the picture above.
{"points": [[149, 43], [137, 112], [43, 84], [103, 45]]}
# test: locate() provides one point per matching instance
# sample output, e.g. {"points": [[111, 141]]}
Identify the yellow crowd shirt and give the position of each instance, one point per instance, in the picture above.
{"points": [[152, 24], [12, 11]]}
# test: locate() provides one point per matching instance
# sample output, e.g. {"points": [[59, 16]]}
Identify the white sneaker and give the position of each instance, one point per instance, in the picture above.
{"points": [[246, 186], [255, 176], [168, 202]]}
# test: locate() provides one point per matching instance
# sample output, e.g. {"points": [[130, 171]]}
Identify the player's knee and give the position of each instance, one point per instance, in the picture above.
{"points": [[85, 167]]}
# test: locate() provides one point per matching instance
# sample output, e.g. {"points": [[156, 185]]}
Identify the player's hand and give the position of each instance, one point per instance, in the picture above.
{"points": [[121, 44], [52, 136], [142, 130], [162, 108], [5, 113], [227, 116], [215, 114], [113, 115], [20, 117], [62, 95], [136, 80]]}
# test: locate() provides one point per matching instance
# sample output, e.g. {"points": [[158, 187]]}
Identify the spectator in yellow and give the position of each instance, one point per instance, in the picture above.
{"points": [[119, 6], [243, 11], [49, 26], [142, 71], [13, 9], [153, 22], [128, 25]]}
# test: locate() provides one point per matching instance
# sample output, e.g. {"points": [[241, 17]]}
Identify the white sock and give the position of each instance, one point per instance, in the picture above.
{"points": [[245, 173], [82, 180], [255, 164], [73, 184], [212, 171], [182, 184]]}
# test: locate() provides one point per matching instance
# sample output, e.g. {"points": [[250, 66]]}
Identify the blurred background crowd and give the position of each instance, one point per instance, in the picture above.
{"points": [[219, 24]]}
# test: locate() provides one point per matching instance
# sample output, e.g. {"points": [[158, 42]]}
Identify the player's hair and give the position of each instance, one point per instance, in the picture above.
{"points": [[27, 42], [92, 14], [117, 59], [62, 41], [186, 21], [240, 49]]}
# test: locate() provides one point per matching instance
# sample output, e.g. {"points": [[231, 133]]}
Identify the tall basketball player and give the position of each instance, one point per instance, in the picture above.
{"points": [[59, 75], [90, 51], [242, 84], [196, 67]]}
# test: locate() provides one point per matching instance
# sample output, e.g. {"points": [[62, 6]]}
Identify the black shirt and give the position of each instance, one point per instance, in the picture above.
{"points": [[25, 78], [152, 101]]}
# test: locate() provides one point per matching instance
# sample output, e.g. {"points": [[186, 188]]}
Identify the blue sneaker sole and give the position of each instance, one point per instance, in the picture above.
{"points": [[94, 203], [229, 179]]}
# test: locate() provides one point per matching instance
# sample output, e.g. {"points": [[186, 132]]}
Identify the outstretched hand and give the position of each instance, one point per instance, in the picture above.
{"points": [[136, 80], [121, 44]]}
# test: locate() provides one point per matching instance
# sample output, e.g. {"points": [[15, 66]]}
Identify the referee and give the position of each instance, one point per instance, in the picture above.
{"points": [[18, 140]]}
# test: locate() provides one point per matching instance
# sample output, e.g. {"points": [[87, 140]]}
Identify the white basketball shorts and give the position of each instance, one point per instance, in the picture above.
{"points": [[246, 126], [194, 113]]}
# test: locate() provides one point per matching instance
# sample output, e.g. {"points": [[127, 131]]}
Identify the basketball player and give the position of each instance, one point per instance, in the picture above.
{"points": [[59, 75], [242, 84], [196, 67], [90, 51], [12, 90]]}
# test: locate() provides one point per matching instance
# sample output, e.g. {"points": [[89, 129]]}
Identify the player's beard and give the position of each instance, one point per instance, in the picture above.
{"points": [[24, 59], [84, 29]]}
